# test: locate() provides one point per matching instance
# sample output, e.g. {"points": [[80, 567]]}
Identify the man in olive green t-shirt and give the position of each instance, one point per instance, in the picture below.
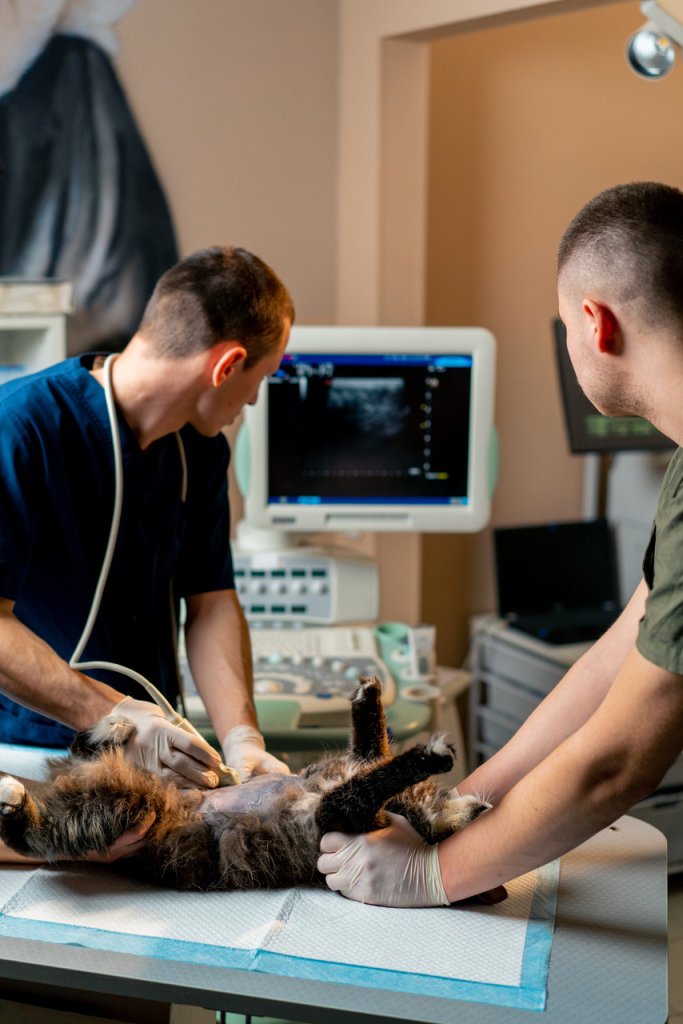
{"points": [[660, 637], [608, 732]]}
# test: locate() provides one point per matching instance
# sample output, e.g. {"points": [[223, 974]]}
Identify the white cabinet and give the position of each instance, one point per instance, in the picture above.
{"points": [[29, 343], [32, 324]]}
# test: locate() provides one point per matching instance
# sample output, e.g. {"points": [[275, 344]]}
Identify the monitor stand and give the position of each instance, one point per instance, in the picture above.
{"points": [[260, 538], [604, 467]]}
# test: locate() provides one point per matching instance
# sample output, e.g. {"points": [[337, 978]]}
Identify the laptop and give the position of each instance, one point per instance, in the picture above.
{"points": [[557, 581]]}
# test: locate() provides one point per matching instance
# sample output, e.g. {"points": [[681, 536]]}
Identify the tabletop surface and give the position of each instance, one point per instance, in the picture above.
{"points": [[609, 958]]}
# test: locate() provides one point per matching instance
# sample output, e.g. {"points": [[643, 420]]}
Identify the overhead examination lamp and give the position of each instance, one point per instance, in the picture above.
{"points": [[651, 51]]}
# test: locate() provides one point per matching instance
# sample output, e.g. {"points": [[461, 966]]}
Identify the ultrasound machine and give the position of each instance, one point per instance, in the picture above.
{"points": [[360, 429]]}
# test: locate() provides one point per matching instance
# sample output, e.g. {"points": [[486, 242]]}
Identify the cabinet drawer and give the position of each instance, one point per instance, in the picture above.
{"points": [[493, 728], [482, 752], [517, 702], [514, 663], [674, 777]]}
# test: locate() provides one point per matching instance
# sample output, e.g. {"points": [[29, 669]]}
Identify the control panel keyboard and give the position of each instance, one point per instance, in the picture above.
{"points": [[316, 667]]}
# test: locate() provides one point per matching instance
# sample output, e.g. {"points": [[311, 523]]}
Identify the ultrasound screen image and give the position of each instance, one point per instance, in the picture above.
{"points": [[369, 428]]}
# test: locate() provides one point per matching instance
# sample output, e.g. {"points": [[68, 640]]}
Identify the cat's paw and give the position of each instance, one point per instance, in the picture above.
{"points": [[440, 756], [104, 735], [459, 811], [110, 734], [369, 688], [12, 793]]}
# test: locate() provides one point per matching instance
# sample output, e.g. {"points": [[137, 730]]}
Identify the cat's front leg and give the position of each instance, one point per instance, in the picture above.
{"points": [[19, 815], [354, 805]]}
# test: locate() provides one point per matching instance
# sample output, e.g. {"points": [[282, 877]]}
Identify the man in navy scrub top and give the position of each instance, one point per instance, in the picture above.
{"points": [[216, 325]]}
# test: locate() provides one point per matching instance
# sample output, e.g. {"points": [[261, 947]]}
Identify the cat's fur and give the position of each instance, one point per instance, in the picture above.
{"points": [[263, 833]]}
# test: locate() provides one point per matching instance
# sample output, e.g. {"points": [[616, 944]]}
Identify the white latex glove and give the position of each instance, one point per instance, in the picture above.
{"points": [[244, 749], [392, 867], [163, 748]]}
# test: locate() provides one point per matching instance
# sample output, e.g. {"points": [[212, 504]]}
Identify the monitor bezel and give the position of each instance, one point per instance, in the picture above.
{"points": [[476, 342], [579, 440]]}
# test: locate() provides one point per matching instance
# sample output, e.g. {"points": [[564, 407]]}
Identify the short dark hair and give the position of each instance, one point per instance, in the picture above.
{"points": [[217, 294], [633, 235]]}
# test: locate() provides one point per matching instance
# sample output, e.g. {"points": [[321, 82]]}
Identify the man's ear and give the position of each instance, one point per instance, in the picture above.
{"points": [[604, 326], [227, 358]]}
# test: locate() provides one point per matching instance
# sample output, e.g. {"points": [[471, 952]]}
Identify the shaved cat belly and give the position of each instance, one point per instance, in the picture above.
{"points": [[254, 796]]}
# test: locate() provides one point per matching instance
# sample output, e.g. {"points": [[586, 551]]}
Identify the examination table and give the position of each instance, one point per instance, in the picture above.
{"points": [[595, 947]]}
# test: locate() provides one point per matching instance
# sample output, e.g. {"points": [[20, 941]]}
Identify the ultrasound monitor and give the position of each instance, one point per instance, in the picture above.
{"points": [[589, 430], [374, 428]]}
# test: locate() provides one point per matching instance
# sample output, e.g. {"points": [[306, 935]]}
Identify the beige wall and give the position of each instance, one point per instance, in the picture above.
{"points": [[237, 100], [367, 28], [381, 256], [528, 121]]}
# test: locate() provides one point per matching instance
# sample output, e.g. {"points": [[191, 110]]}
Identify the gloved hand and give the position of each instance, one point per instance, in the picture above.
{"points": [[244, 749], [392, 867], [163, 748]]}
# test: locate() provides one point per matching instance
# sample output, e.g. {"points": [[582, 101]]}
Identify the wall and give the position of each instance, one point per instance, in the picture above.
{"points": [[236, 101], [237, 104], [527, 122], [381, 257], [367, 28]]}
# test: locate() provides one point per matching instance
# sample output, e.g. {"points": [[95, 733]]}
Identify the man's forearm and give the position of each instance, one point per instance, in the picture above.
{"points": [[569, 705], [564, 710], [520, 834], [599, 772], [219, 652], [10, 856], [34, 675]]}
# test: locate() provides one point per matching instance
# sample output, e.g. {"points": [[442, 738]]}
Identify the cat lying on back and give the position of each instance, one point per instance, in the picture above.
{"points": [[264, 833]]}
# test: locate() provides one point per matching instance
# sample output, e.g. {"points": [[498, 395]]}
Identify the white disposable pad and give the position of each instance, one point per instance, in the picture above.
{"points": [[490, 954], [494, 954]]}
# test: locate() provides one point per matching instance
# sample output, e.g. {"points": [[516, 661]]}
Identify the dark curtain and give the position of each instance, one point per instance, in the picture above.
{"points": [[80, 198]]}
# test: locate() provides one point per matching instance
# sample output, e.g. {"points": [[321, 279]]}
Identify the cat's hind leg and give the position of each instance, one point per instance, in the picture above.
{"points": [[85, 808], [369, 739], [354, 806], [456, 812]]}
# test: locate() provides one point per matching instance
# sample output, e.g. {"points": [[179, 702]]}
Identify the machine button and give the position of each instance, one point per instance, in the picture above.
{"points": [[268, 686]]}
